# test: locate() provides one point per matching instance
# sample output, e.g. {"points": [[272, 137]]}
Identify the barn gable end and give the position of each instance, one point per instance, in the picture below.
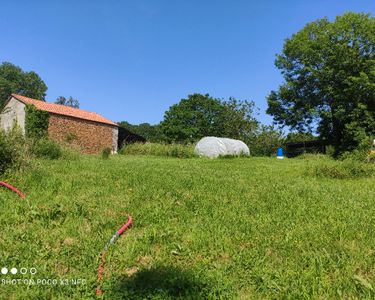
{"points": [[13, 113]]}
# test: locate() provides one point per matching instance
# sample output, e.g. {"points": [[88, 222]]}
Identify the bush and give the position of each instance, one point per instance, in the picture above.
{"points": [[371, 158], [106, 152], [45, 148], [5, 154], [343, 169], [70, 137], [12, 145], [330, 150], [265, 141], [16, 150], [69, 153], [172, 150], [360, 155]]}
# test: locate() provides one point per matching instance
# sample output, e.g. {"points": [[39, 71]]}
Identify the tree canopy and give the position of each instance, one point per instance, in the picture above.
{"points": [[14, 80], [67, 102], [329, 72], [201, 115]]}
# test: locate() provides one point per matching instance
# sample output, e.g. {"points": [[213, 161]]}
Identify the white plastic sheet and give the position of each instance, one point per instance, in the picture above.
{"points": [[213, 147]]}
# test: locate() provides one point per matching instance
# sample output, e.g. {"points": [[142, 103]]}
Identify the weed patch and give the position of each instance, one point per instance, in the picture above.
{"points": [[342, 169], [106, 152], [45, 148]]}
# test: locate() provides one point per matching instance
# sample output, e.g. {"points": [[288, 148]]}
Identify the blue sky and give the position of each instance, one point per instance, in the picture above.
{"points": [[131, 60]]}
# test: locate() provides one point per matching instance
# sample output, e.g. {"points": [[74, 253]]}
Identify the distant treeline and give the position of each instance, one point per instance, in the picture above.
{"points": [[201, 115]]}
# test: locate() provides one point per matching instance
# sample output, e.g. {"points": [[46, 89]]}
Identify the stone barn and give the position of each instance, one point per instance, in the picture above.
{"points": [[88, 131]]}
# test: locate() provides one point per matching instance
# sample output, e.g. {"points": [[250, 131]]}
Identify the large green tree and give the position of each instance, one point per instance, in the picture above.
{"points": [[14, 80], [237, 119], [329, 72], [201, 115]]}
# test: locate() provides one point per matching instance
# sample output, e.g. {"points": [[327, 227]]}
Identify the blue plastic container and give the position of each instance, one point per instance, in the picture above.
{"points": [[280, 153]]}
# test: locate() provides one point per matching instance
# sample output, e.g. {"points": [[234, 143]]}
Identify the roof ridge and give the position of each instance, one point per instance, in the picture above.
{"points": [[51, 103], [64, 110]]}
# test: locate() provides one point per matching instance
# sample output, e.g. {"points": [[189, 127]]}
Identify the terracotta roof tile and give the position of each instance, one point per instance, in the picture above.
{"points": [[64, 110]]}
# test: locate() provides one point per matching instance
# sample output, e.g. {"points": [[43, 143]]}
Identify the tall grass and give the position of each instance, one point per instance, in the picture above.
{"points": [[12, 149], [254, 228], [106, 152], [45, 148], [156, 149], [17, 152], [324, 166]]}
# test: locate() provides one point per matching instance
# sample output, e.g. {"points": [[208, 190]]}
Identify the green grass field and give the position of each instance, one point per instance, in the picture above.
{"points": [[241, 228]]}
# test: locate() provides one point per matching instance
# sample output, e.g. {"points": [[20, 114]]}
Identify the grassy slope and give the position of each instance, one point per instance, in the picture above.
{"points": [[229, 228]]}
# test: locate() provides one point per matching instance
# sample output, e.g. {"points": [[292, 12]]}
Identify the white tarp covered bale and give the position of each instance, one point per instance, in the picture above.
{"points": [[213, 147]]}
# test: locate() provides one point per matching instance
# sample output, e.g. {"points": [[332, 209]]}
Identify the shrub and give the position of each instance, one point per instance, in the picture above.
{"points": [[265, 141], [371, 158], [330, 150], [343, 169], [5, 153], [69, 153], [359, 155], [45, 148], [106, 152], [172, 150], [12, 145], [70, 137], [16, 150]]}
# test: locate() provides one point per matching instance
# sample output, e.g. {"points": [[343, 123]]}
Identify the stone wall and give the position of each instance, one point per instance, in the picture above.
{"points": [[89, 137], [114, 140]]}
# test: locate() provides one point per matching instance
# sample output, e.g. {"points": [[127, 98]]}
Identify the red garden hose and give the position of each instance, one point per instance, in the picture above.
{"points": [[110, 242], [13, 189], [104, 252]]}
